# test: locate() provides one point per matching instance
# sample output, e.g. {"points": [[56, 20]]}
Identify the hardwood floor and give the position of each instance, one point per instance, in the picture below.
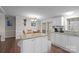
{"points": [[55, 49], [10, 46]]}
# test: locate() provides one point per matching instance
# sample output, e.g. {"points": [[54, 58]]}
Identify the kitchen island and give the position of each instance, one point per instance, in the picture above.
{"points": [[34, 43]]}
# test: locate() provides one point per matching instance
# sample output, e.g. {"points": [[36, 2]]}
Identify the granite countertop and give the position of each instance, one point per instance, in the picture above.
{"points": [[32, 35]]}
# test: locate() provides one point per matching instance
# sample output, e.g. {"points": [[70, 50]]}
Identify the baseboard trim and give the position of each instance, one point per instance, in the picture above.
{"points": [[10, 37]]}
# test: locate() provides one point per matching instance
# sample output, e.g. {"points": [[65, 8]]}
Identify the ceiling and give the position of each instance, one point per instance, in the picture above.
{"points": [[44, 11]]}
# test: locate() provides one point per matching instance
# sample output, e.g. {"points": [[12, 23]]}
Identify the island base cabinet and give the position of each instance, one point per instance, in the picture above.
{"points": [[35, 45], [41, 44], [38, 45], [27, 46], [45, 45]]}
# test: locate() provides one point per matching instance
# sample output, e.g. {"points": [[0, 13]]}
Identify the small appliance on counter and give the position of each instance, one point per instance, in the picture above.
{"points": [[55, 29], [58, 29]]}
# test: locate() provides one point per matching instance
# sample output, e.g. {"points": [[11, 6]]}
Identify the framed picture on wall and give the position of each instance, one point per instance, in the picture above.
{"points": [[8, 20], [9, 23]]}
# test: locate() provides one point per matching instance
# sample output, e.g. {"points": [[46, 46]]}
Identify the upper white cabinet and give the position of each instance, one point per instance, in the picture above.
{"points": [[57, 21], [73, 24]]}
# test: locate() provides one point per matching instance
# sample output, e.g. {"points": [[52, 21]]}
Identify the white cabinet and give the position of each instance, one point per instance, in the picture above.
{"points": [[45, 44], [64, 39], [67, 42], [35, 45], [58, 39], [52, 37], [41, 44], [27, 46], [74, 43], [38, 44], [57, 21]]}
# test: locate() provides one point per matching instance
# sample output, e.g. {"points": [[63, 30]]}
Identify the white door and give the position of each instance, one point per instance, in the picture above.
{"points": [[27, 46]]}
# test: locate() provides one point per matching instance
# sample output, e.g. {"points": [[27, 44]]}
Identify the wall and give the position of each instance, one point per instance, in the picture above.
{"points": [[2, 27], [10, 30], [20, 26]]}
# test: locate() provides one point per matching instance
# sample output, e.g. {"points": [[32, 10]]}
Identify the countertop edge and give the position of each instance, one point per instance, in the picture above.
{"points": [[32, 37]]}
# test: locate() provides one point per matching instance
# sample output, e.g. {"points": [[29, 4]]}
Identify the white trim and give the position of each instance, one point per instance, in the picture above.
{"points": [[2, 10]]}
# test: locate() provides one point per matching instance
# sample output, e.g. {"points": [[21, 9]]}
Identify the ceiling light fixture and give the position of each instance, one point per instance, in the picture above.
{"points": [[69, 13], [33, 16]]}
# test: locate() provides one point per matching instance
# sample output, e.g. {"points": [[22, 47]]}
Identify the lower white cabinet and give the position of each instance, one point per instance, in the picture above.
{"points": [[52, 37], [58, 39], [64, 40], [68, 42], [35, 45], [74, 43]]}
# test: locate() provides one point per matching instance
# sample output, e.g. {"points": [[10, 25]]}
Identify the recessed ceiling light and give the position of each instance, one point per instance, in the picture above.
{"points": [[69, 13]]}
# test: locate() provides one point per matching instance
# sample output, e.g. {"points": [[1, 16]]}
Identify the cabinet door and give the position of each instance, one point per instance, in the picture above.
{"points": [[58, 39], [37, 44], [57, 21], [63, 40], [67, 42], [52, 38], [44, 44], [77, 44], [27, 46], [74, 43]]}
